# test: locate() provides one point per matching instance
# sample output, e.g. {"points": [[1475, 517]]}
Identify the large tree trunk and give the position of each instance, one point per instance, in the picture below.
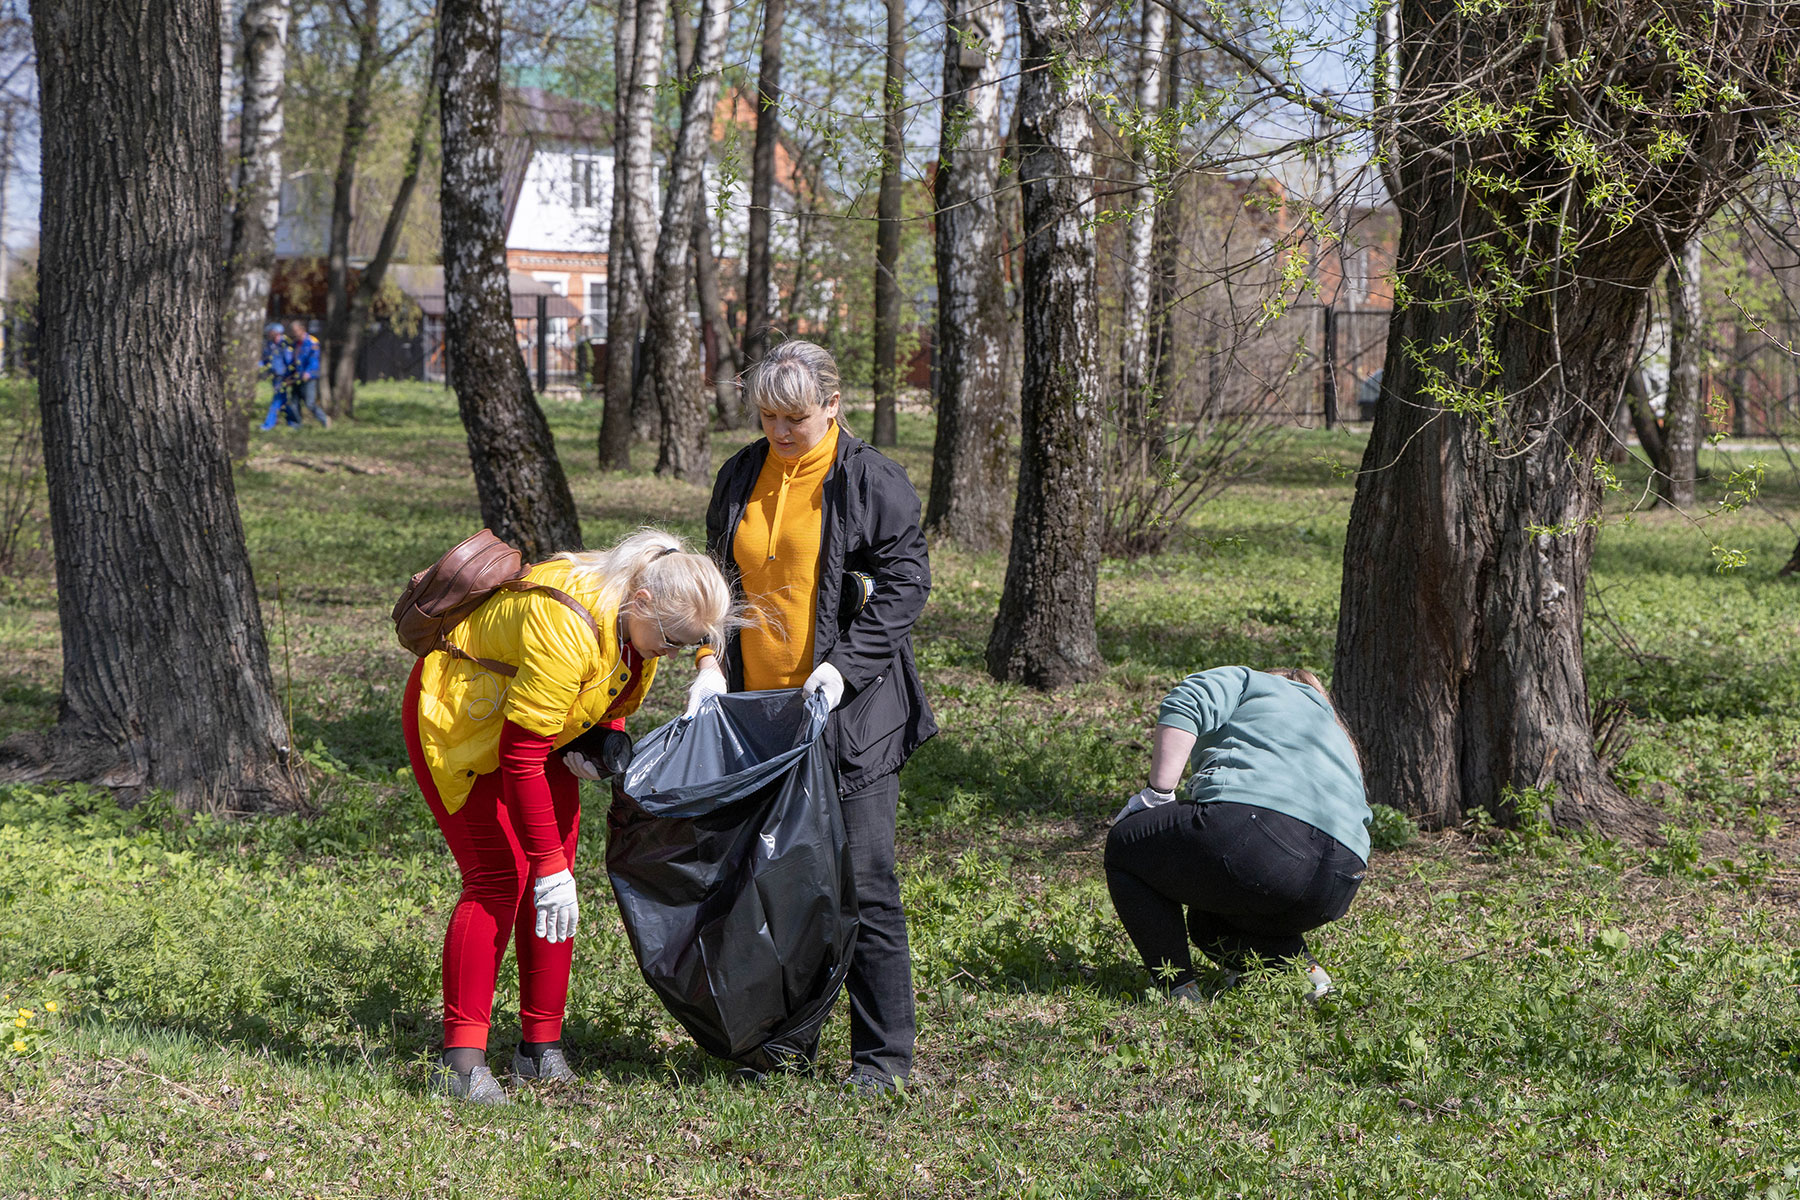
{"points": [[343, 195], [970, 458], [1044, 635], [631, 243], [1680, 462], [759, 280], [368, 284], [728, 397], [1459, 652], [166, 679], [255, 209], [671, 376], [887, 233], [524, 495]]}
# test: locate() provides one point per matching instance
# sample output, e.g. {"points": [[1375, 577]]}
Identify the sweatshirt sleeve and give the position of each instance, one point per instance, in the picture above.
{"points": [[527, 793], [1205, 700]]}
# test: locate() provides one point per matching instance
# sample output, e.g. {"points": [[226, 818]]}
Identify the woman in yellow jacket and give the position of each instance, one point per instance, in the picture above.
{"points": [[484, 749]]}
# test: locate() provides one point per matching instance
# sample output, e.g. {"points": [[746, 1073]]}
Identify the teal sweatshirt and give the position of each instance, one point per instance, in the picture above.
{"points": [[1273, 743]]}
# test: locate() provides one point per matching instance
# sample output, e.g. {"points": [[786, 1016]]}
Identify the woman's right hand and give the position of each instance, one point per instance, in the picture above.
{"points": [[709, 682]]}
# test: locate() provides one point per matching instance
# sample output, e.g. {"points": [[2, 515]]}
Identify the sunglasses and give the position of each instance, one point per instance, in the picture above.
{"points": [[676, 646]]}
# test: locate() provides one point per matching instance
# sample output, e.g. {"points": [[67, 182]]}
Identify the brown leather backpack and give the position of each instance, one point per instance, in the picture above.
{"points": [[440, 596]]}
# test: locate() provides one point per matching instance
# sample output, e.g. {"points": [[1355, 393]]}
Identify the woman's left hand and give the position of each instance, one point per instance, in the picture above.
{"points": [[828, 679]]}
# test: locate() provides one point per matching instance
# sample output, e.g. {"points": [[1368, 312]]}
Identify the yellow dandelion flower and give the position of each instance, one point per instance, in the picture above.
{"points": [[21, 1022], [27, 1013], [49, 1006], [19, 1046]]}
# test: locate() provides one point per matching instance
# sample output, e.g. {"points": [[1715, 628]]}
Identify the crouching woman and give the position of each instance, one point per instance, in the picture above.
{"points": [[485, 745], [1270, 841]]}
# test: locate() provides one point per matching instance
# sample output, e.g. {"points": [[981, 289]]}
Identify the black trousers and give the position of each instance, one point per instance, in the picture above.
{"points": [[1252, 879], [883, 1025]]}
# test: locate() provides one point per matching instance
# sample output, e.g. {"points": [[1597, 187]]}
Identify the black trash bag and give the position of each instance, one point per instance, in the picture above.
{"points": [[726, 851]]}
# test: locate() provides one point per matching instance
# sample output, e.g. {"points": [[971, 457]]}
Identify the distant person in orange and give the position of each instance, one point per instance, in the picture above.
{"points": [[303, 373], [821, 534]]}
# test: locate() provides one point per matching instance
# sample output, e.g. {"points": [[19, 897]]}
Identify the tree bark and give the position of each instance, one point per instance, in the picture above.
{"points": [[1044, 634], [971, 456], [1459, 653], [525, 497], [887, 234], [728, 396], [759, 281], [255, 210], [1140, 238], [1680, 461], [367, 28], [369, 283], [631, 243], [671, 378], [166, 680]]}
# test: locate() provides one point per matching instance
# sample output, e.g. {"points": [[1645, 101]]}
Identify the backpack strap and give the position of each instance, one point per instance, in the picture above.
{"points": [[521, 585]]}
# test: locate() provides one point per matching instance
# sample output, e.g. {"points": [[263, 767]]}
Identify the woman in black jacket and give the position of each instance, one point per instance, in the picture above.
{"points": [[821, 534]]}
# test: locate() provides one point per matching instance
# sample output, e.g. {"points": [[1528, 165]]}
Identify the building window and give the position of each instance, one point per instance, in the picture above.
{"points": [[587, 182]]}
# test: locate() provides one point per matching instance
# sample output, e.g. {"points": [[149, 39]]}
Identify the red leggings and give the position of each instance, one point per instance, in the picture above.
{"points": [[484, 838]]}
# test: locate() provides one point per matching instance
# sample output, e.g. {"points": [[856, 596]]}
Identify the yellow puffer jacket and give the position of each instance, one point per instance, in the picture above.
{"points": [[567, 682]]}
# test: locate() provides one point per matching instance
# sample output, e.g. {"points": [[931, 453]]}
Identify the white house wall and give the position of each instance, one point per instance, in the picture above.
{"points": [[547, 216]]}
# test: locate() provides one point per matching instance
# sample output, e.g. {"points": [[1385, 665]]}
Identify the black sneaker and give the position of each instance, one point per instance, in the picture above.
{"points": [[869, 1084]]}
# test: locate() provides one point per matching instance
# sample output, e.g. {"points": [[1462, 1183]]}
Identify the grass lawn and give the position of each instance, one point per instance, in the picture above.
{"points": [[244, 1007]]}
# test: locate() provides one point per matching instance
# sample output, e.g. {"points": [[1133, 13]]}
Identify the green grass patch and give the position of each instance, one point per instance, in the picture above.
{"points": [[243, 1008]]}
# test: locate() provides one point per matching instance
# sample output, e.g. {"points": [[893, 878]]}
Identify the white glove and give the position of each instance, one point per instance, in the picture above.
{"points": [[828, 679], [709, 682], [581, 766], [557, 911], [1148, 798]]}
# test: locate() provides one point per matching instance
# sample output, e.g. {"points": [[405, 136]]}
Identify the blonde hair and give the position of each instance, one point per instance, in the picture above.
{"points": [[688, 592], [795, 379], [1302, 675]]}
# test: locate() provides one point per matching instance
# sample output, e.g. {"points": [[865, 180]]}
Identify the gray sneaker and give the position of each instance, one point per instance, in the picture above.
{"points": [[552, 1067], [477, 1087]]}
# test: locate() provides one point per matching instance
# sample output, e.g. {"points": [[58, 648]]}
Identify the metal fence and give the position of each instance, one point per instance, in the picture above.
{"points": [[1333, 361]]}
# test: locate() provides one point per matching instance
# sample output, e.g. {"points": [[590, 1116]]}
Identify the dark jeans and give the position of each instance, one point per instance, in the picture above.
{"points": [[306, 391], [882, 1022], [1253, 881]]}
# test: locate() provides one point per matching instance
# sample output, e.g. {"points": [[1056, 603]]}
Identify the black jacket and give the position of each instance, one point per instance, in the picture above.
{"points": [[869, 523]]}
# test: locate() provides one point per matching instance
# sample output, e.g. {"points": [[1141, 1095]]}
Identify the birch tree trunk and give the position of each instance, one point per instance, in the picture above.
{"points": [[671, 376], [343, 194], [759, 280], [631, 242], [166, 680], [970, 458], [1044, 634], [524, 495], [255, 210], [887, 233], [1679, 463], [1137, 442]]}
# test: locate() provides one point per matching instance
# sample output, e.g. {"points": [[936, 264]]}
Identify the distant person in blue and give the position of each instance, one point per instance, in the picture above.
{"points": [[1269, 842], [275, 361], [303, 372]]}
